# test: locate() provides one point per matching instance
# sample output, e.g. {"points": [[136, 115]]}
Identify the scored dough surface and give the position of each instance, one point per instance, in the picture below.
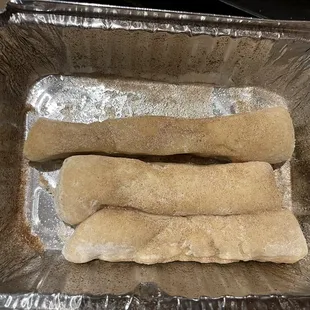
{"points": [[89, 182], [126, 235]]}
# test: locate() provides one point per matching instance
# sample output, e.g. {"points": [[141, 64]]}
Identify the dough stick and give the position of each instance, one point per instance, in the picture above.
{"points": [[126, 235], [266, 135], [89, 182]]}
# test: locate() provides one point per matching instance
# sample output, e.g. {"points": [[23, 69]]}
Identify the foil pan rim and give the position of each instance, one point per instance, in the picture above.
{"points": [[94, 9], [139, 19], [136, 300]]}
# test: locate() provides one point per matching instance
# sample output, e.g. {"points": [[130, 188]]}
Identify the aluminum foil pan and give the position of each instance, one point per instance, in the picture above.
{"points": [[85, 63]]}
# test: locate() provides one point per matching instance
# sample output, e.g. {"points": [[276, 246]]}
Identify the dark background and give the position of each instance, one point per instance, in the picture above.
{"points": [[274, 9]]}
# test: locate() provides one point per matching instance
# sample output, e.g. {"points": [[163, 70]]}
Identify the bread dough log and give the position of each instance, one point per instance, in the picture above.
{"points": [[127, 235], [88, 183], [266, 135]]}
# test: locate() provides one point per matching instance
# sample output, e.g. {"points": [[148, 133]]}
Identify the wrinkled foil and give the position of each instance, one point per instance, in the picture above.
{"points": [[85, 63], [157, 301]]}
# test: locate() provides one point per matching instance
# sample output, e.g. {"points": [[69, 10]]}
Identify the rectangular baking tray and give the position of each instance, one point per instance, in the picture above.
{"points": [[85, 63]]}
